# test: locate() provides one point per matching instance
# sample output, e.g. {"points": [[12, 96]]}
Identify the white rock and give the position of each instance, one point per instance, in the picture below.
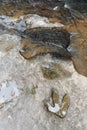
{"points": [[54, 109], [8, 91]]}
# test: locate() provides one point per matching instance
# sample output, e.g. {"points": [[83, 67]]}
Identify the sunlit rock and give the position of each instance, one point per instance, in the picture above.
{"points": [[8, 91], [38, 21], [8, 42]]}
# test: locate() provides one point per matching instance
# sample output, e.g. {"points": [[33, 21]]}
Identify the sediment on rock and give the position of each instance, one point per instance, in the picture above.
{"points": [[45, 40]]}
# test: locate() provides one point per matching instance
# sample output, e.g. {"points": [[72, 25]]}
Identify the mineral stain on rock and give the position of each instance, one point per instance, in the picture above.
{"points": [[49, 73], [33, 90], [45, 40], [53, 71]]}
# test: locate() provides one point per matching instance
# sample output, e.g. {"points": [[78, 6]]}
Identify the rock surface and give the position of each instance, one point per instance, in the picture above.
{"points": [[51, 36], [45, 40], [27, 111], [22, 106]]}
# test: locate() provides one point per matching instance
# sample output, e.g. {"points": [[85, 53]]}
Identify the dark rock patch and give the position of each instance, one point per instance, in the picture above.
{"points": [[45, 40]]}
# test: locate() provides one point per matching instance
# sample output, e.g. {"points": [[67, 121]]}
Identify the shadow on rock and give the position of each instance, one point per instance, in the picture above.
{"points": [[41, 41]]}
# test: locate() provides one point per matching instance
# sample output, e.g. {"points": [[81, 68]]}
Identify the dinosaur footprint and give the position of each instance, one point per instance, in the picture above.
{"points": [[60, 109]]}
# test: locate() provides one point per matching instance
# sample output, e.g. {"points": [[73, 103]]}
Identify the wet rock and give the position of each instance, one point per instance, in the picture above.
{"points": [[46, 8], [34, 20], [51, 36], [18, 9], [78, 48], [32, 50], [80, 65], [13, 31], [45, 40], [59, 109], [2, 27], [42, 8], [52, 71], [27, 21], [78, 9], [80, 5], [34, 3]]}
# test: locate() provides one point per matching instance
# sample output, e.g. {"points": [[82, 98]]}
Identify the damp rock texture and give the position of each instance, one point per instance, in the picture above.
{"points": [[45, 40], [23, 87], [54, 36]]}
